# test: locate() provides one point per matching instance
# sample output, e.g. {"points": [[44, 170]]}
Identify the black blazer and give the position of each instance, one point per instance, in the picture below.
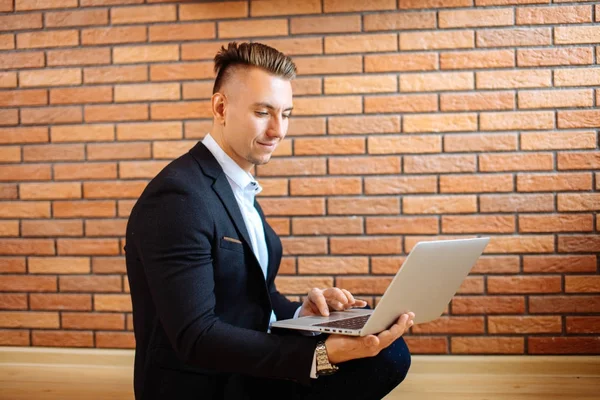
{"points": [[201, 306]]}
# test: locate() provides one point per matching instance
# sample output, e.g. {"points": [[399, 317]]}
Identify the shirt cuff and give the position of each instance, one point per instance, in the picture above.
{"points": [[313, 369], [297, 312]]}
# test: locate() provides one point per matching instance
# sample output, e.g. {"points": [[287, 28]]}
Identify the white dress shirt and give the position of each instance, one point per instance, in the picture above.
{"points": [[245, 188]]}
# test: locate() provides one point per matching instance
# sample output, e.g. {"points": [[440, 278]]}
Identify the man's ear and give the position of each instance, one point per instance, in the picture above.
{"points": [[219, 107]]}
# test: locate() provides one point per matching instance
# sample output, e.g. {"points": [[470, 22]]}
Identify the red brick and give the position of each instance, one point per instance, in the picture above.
{"points": [[180, 110], [440, 81], [201, 51], [578, 202], [516, 162], [427, 344], [478, 224], [329, 146], [473, 18], [50, 115], [113, 189], [132, 73], [579, 119], [523, 284], [82, 133], [556, 99], [33, 40], [5, 6], [149, 131], [325, 24], [203, 90], [115, 340], [440, 122], [554, 182], [363, 206], [325, 186], [521, 244], [360, 84], [14, 337], [112, 227], [18, 283], [326, 65], [22, 60], [487, 345], [87, 246], [8, 79], [32, 172], [88, 170], [62, 339], [92, 321], [26, 5], [399, 185], [303, 126], [513, 79], [60, 302], [274, 187], [558, 140], [7, 42], [9, 117], [434, 40], [564, 345], [296, 166], [364, 285], [524, 325], [517, 203], [555, 56], [59, 265], [336, 6], [25, 209], [81, 95], [582, 160], [488, 305], [44, 228], [20, 22], [13, 301], [83, 208], [554, 15], [333, 265], [583, 324], [477, 59], [514, 37], [469, 142], [113, 35], [77, 18], [53, 152], [361, 43], [402, 225], [28, 319], [143, 14], [577, 77], [564, 304], [364, 124], [327, 226], [507, 2], [23, 97], [145, 54], [364, 165], [401, 103], [210, 11], [8, 191], [496, 265], [50, 77], [439, 164], [121, 112], [49, 191], [451, 325], [576, 34], [401, 62], [556, 223], [406, 4], [140, 169], [253, 28], [93, 56], [108, 265], [9, 228], [579, 244], [439, 204], [283, 7], [23, 135], [582, 284], [281, 226], [393, 21], [118, 151], [12, 265], [177, 32], [304, 245], [386, 265], [559, 264], [174, 149], [105, 283], [293, 206]]}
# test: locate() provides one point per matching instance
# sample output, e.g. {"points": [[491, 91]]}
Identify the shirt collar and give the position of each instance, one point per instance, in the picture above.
{"points": [[243, 179]]}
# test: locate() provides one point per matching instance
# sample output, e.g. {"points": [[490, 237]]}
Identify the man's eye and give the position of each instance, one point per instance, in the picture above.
{"points": [[287, 115], [262, 114]]}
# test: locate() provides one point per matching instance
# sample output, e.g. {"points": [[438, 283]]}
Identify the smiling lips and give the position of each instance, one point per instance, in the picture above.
{"points": [[267, 144]]}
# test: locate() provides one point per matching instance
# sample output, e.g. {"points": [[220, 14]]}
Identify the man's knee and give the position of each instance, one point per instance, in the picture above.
{"points": [[396, 360]]}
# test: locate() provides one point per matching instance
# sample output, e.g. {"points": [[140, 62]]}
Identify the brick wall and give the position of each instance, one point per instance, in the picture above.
{"points": [[414, 120]]}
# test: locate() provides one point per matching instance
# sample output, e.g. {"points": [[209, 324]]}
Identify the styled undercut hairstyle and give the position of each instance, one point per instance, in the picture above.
{"points": [[251, 55]]}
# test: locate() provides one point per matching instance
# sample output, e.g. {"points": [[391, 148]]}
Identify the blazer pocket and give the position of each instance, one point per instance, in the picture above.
{"points": [[230, 243]]}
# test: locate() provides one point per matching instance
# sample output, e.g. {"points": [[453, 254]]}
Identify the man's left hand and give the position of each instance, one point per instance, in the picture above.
{"points": [[321, 301]]}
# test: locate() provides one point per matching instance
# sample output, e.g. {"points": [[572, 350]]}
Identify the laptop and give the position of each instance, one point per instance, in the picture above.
{"points": [[425, 284]]}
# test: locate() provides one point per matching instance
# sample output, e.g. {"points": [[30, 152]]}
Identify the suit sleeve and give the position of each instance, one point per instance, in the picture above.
{"points": [[172, 231]]}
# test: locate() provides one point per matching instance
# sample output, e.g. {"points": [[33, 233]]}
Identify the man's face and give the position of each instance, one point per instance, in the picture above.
{"points": [[256, 110]]}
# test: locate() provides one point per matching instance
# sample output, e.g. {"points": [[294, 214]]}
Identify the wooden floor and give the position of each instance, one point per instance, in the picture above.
{"points": [[66, 374]]}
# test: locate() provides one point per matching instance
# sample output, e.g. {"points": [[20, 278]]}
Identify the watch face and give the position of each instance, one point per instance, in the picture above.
{"points": [[329, 371]]}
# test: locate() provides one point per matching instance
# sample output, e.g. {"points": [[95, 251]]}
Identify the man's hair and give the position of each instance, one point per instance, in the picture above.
{"points": [[251, 55]]}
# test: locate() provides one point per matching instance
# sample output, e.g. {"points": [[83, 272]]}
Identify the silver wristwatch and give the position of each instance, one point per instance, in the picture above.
{"points": [[324, 367]]}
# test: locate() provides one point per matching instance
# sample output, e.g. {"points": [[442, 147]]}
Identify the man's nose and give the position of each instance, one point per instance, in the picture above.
{"points": [[277, 127]]}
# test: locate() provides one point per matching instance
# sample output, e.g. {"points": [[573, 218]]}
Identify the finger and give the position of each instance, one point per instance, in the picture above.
{"points": [[334, 295], [349, 296], [371, 341], [317, 298]]}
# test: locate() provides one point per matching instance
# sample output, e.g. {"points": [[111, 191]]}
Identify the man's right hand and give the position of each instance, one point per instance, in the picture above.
{"points": [[342, 348]]}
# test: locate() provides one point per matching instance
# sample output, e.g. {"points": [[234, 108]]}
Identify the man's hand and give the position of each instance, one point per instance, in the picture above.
{"points": [[321, 301], [342, 348]]}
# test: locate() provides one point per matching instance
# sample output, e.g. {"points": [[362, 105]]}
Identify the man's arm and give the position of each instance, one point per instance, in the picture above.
{"points": [[172, 233]]}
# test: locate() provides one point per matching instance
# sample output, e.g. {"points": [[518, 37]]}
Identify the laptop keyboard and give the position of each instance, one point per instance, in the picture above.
{"points": [[348, 323]]}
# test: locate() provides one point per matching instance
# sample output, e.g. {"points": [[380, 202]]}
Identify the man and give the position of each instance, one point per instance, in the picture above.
{"points": [[202, 260]]}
